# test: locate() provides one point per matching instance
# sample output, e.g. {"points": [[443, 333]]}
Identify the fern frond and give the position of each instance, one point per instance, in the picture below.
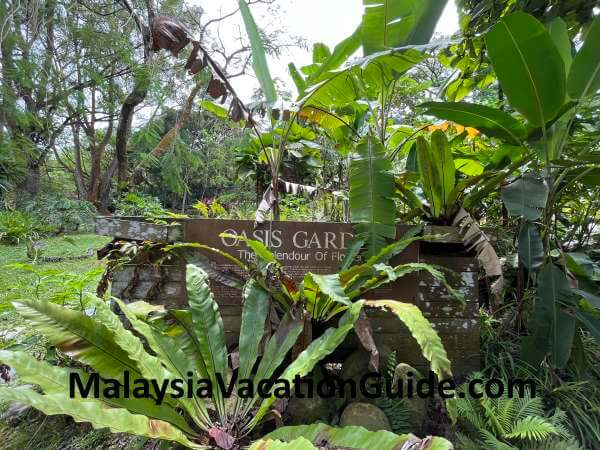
{"points": [[399, 412], [533, 428], [556, 444], [528, 406], [506, 411], [560, 421], [492, 443], [466, 443]]}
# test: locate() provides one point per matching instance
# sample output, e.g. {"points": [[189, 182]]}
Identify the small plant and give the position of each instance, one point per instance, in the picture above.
{"points": [[18, 226], [138, 204], [399, 411], [189, 341], [506, 423], [53, 285], [201, 208], [63, 213], [212, 208]]}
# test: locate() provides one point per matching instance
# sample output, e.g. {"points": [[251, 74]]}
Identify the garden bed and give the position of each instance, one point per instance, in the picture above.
{"points": [[319, 248]]}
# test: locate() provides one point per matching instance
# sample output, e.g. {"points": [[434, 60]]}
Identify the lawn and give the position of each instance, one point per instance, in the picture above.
{"points": [[59, 274]]}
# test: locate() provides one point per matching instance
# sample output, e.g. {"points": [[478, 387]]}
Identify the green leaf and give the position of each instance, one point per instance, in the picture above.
{"points": [[469, 167], [528, 66], [533, 428], [260, 250], [297, 78], [341, 53], [591, 299], [215, 109], [173, 356], [526, 197], [550, 328], [531, 247], [55, 380], [392, 23], [490, 121], [444, 165], [580, 264], [436, 172], [560, 36], [584, 77], [324, 295], [118, 420], [259, 58], [391, 274], [320, 53], [363, 79], [280, 344], [254, 314], [208, 328], [354, 437], [149, 366], [351, 253], [371, 190], [80, 337], [421, 329], [387, 253], [315, 352]]}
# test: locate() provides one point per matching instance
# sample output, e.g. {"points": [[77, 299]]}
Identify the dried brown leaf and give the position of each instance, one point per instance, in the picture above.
{"points": [[216, 88], [169, 34]]}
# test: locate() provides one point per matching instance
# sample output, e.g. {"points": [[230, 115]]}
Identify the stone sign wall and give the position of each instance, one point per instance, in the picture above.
{"points": [[320, 247]]}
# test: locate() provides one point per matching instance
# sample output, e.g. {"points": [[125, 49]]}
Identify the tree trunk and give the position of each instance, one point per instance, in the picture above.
{"points": [[136, 97], [31, 183]]}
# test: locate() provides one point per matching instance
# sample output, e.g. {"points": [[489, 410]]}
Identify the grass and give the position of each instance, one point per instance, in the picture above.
{"points": [[13, 281], [63, 281], [56, 277]]}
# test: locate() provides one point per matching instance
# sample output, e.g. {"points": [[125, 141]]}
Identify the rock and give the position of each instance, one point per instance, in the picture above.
{"points": [[365, 415], [309, 410], [356, 365], [418, 405]]}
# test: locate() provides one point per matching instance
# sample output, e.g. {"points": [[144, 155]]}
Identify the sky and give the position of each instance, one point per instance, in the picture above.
{"points": [[327, 21]]}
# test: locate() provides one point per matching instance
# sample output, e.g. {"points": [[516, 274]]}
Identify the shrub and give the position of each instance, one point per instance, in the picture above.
{"points": [[63, 213], [18, 226], [139, 204]]}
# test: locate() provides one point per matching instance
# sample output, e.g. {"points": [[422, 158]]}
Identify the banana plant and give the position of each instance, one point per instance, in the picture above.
{"points": [[546, 82]]}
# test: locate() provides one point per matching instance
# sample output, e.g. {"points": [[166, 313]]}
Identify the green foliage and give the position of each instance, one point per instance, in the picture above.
{"points": [[505, 423], [62, 213], [552, 327], [531, 247], [584, 77], [213, 209], [103, 343], [18, 226], [371, 190], [139, 204], [304, 436], [526, 197], [437, 174], [490, 121], [259, 59], [387, 24], [528, 66], [420, 328]]}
